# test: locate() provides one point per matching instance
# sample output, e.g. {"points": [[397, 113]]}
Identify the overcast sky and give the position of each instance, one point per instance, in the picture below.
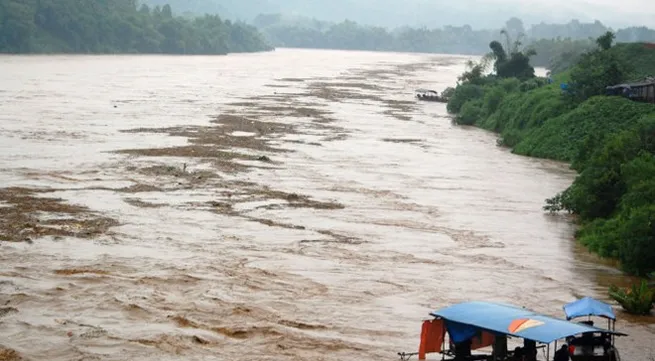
{"points": [[610, 12], [481, 13]]}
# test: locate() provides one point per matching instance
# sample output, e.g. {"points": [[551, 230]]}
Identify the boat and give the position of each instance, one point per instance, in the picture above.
{"points": [[430, 96], [458, 330], [581, 348]]}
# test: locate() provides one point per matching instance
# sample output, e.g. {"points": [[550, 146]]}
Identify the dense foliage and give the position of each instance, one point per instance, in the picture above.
{"points": [[348, 35], [117, 26], [609, 140], [557, 46]]}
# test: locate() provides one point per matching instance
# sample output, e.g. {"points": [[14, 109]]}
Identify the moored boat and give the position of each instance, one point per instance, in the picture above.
{"points": [[430, 96], [584, 348], [458, 330]]}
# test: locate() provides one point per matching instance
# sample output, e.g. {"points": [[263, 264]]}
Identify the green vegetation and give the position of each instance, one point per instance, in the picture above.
{"points": [[295, 32], [559, 54], [117, 26], [609, 140], [557, 46], [637, 299], [122, 26], [393, 14]]}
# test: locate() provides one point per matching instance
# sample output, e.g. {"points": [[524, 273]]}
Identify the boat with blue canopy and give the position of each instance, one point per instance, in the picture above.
{"points": [[588, 307], [476, 325]]}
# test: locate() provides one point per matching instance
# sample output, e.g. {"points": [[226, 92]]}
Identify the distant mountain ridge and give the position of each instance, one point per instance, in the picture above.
{"points": [[415, 13], [548, 40], [286, 24]]}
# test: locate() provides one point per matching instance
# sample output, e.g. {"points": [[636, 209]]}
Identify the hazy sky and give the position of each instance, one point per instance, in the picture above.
{"points": [[481, 13], [609, 12], [614, 13]]}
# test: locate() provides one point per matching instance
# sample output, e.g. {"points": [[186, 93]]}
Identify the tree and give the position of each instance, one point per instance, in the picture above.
{"points": [[167, 12], [512, 62], [515, 26], [605, 41], [475, 71], [598, 69], [498, 52]]}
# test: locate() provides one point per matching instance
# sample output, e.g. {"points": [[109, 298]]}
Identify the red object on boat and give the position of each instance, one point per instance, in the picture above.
{"points": [[432, 335]]}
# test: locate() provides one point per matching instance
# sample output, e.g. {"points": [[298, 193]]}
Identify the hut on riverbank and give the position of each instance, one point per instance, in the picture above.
{"points": [[643, 90]]}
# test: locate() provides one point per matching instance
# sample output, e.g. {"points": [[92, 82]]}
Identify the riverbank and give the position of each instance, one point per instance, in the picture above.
{"points": [[607, 140]]}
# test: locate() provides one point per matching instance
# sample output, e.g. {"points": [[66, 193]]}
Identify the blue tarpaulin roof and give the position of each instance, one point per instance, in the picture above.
{"points": [[588, 307], [508, 320]]}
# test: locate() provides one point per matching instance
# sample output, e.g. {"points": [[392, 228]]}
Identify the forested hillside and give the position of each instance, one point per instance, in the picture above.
{"points": [[556, 45], [414, 25], [117, 26], [423, 13], [609, 140]]}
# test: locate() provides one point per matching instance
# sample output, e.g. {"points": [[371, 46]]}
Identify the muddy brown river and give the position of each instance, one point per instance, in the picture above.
{"points": [[292, 205]]}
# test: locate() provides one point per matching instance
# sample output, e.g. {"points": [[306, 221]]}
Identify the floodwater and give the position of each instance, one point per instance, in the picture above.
{"points": [[300, 205]]}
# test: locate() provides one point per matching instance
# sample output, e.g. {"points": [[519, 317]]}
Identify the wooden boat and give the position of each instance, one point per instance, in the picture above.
{"points": [[474, 326], [430, 96]]}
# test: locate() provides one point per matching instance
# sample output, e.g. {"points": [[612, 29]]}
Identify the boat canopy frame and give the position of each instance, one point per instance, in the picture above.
{"points": [[587, 307]]}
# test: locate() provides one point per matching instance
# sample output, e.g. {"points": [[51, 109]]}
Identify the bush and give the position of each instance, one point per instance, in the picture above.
{"points": [[597, 70], [637, 233], [492, 99], [471, 112], [511, 138], [602, 237], [509, 85], [520, 113], [636, 300], [448, 92], [532, 84], [462, 94], [614, 196], [563, 136]]}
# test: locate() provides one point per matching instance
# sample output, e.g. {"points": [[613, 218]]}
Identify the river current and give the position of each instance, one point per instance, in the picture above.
{"points": [[291, 205]]}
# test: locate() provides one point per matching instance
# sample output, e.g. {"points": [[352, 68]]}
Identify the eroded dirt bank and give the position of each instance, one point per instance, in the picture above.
{"points": [[238, 208]]}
